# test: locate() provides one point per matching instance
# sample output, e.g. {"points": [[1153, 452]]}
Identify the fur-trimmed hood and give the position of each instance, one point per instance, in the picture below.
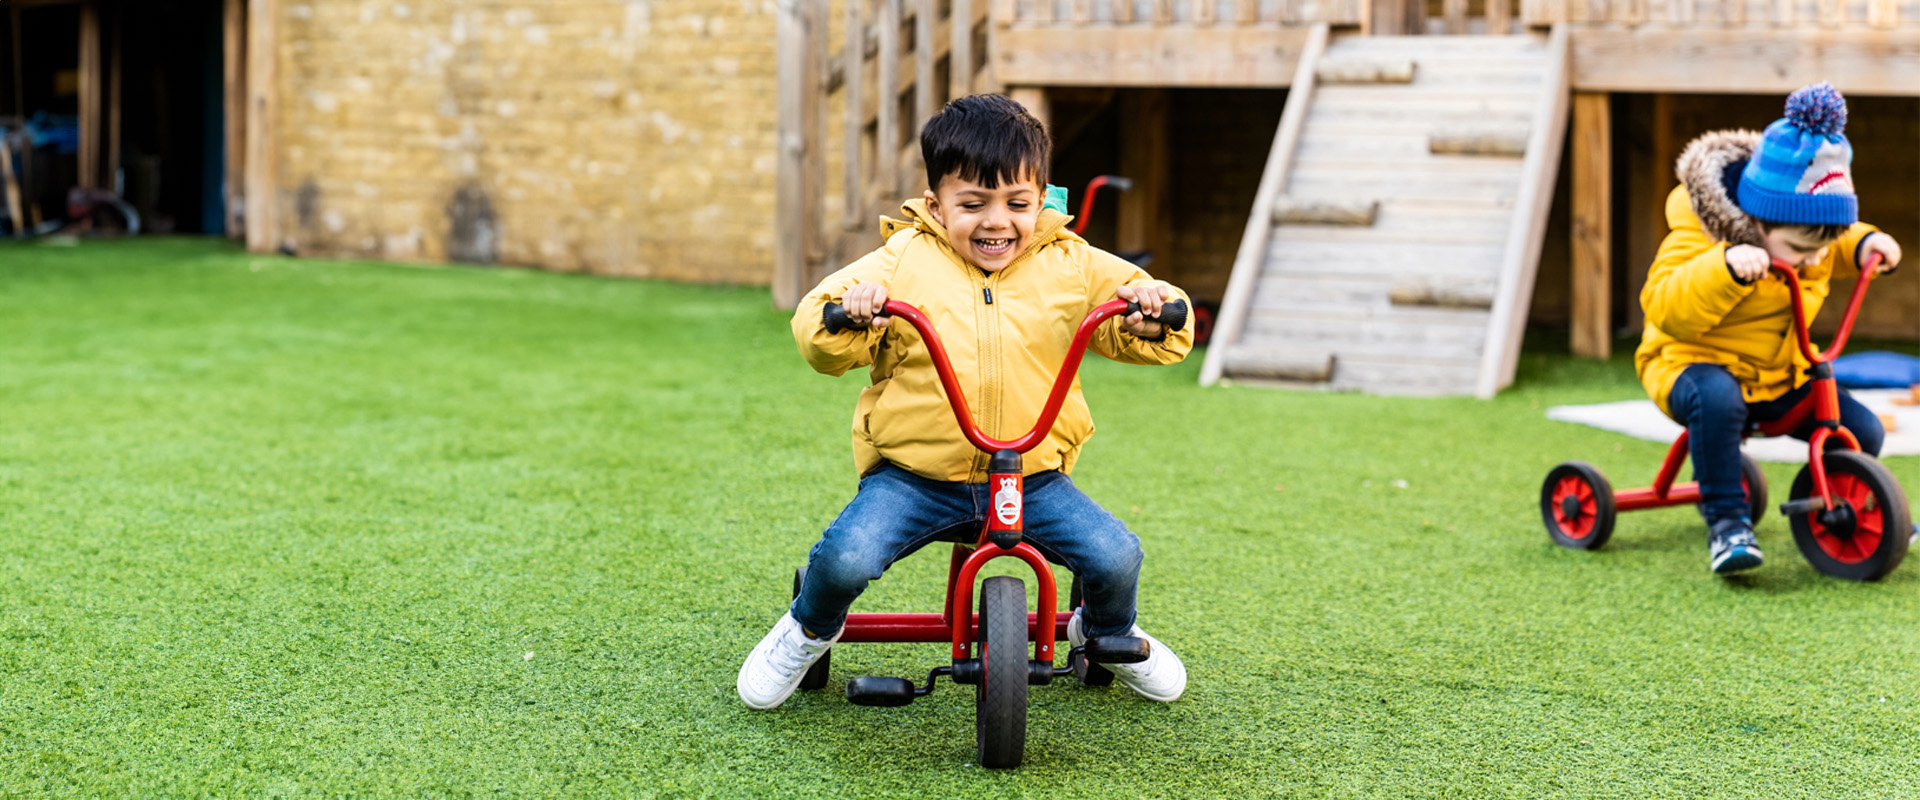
{"points": [[1710, 169]]}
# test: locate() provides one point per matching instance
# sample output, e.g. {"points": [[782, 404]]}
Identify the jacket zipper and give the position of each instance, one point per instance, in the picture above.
{"points": [[987, 319]]}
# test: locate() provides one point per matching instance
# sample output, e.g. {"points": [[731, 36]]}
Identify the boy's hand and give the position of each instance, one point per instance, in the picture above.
{"points": [[1748, 263], [866, 304], [1886, 247], [1150, 298]]}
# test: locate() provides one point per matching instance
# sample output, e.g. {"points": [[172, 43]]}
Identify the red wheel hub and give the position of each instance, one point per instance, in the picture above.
{"points": [[1869, 526], [1580, 523]]}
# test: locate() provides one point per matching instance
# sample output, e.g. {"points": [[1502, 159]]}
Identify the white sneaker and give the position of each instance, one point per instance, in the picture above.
{"points": [[776, 665], [1161, 677]]}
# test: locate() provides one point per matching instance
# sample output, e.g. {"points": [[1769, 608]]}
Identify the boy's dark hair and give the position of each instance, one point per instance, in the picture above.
{"points": [[1824, 234], [985, 139]]}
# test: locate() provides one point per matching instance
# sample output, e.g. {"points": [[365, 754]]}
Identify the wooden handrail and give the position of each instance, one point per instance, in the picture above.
{"points": [[1252, 255], [1520, 262]]}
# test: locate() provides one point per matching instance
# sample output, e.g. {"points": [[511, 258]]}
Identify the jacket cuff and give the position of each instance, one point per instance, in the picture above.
{"points": [[1859, 251]]}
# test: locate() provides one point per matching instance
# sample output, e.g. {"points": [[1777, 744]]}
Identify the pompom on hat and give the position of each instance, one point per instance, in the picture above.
{"points": [[1800, 174]]}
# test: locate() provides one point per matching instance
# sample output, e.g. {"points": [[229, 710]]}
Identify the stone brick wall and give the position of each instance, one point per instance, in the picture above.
{"points": [[618, 137]]}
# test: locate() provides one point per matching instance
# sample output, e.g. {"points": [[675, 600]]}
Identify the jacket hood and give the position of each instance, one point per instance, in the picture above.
{"points": [[1051, 227], [1710, 169]]}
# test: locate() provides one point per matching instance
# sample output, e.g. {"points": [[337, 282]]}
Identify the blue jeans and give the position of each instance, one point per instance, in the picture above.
{"points": [[897, 512], [1707, 399]]}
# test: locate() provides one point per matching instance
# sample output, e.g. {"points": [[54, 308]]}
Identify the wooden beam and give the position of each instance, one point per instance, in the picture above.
{"points": [[1746, 61], [1499, 17], [1520, 261], [853, 191], [1592, 293], [1150, 56], [234, 95], [263, 105], [819, 18], [1273, 183], [1204, 11], [1146, 157], [90, 80], [1455, 16], [1883, 13]]}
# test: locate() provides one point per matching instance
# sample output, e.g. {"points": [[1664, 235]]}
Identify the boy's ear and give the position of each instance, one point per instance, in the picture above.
{"points": [[933, 207]]}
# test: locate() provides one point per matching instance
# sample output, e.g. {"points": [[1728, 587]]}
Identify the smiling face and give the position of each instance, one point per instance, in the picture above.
{"points": [[1795, 245], [988, 227]]}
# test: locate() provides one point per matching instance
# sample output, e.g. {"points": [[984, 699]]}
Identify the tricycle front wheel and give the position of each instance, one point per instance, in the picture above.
{"points": [[1873, 541], [1000, 708], [1576, 503]]}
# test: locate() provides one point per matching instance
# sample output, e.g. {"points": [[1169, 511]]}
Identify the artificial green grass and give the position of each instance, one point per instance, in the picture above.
{"points": [[282, 527]]}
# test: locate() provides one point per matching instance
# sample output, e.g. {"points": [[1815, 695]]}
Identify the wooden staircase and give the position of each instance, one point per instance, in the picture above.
{"points": [[1394, 239]]}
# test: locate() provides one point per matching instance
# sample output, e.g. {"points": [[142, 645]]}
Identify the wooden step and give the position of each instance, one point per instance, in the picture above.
{"points": [[1443, 292], [1325, 211], [1481, 140], [1364, 70], [1278, 364], [1390, 259]]}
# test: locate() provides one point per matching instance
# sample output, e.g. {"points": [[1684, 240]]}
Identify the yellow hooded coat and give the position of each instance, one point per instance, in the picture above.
{"points": [[1697, 313], [1005, 352]]}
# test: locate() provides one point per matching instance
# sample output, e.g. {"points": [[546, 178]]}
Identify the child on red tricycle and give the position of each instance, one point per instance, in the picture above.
{"points": [[1725, 351], [979, 266]]}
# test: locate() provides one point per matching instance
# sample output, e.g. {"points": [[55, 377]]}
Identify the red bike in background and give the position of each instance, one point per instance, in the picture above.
{"points": [[1849, 515]]}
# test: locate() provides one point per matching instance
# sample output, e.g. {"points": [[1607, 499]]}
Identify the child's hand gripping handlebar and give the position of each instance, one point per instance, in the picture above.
{"points": [[1173, 315], [1791, 276]]}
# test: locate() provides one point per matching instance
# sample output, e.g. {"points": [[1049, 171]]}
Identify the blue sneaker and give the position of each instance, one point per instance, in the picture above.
{"points": [[1732, 546]]}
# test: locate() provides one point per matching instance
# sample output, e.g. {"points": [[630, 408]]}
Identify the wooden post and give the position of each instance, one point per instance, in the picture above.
{"points": [[11, 185], [1034, 98], [1883, 13], [1735, 12], [924, 101], [1082, 12], [1122, 11], [234, 87], [1499, 17], [853, 57], [113, 106], [1456, 16], [1162, 11], [1783, 13], [89, 95], [791, 221], [818, 121], [1043, 12], [1245, 12], [886, 124], [1203, 12], [960, 66], [1146, 212], [1592, 237], [263, 169], [1832, 13]]}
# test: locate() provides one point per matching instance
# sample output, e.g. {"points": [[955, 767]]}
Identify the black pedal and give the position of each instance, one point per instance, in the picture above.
{"points": [[1117, 650], [873, 690]]}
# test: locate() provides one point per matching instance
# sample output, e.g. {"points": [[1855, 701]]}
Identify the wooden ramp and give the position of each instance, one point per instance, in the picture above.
{"points": [[1394, 239]]}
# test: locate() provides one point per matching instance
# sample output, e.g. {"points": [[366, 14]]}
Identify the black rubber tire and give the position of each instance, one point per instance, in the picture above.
{"points": [[1089, 673], [1866, 476], [1756, 483], [817, 674], [1597, 506], [1000, 707]]}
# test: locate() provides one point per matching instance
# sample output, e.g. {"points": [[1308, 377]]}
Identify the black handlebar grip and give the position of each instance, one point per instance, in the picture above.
{"points": [[835, 318], [1173, 315]]}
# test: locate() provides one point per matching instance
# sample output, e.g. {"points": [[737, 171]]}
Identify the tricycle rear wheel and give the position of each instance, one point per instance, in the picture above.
{"points": [[1878, 540], [816, 676], [1000, 707], [1576, 503]]}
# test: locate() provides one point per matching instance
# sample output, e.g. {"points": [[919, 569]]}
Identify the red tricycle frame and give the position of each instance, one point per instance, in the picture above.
{"points": [[957, 623]]}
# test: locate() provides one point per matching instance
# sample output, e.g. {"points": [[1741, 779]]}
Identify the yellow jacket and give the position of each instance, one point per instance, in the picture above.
{"points": [[1697, 313], [1005, 353]]}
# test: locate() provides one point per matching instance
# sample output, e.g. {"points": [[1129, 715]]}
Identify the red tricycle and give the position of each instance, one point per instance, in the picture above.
{"points": [[989, 648], [1849, 516]]}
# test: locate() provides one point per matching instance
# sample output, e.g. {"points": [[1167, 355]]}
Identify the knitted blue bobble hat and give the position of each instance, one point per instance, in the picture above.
{"points": [[1799, 175]]}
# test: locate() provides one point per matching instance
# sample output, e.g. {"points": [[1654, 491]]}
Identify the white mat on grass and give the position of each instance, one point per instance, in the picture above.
{"points": [[1640, 419]]}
